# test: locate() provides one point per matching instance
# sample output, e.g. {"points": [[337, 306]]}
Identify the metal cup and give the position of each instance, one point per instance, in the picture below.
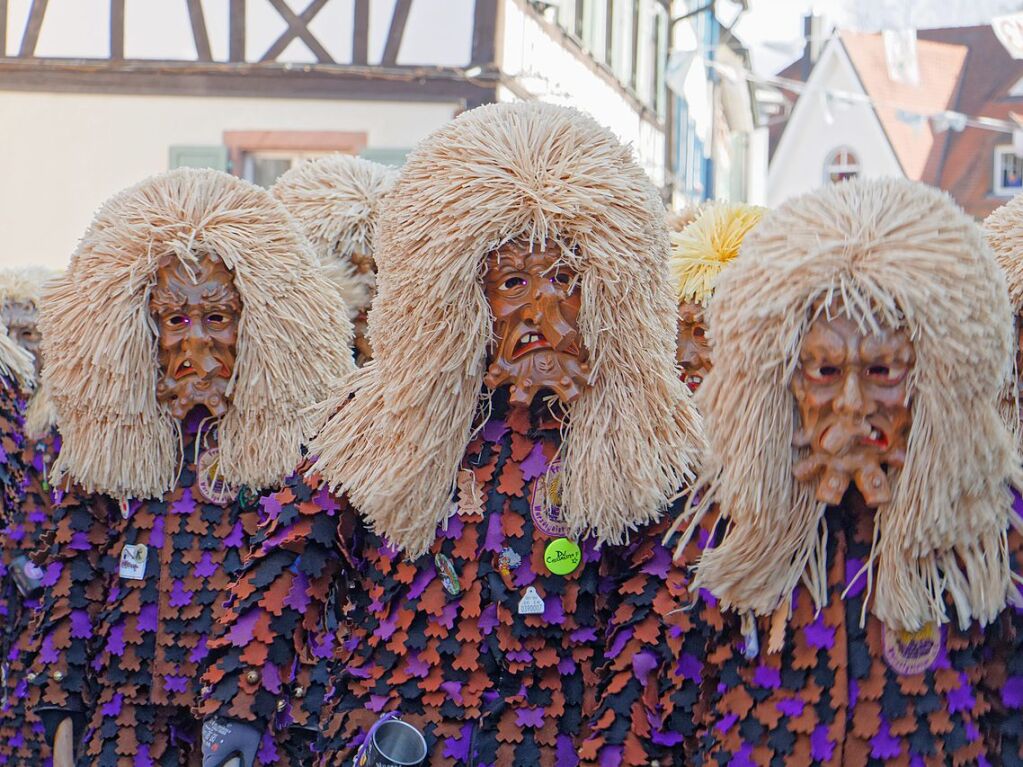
{"points": [[392, 743]]}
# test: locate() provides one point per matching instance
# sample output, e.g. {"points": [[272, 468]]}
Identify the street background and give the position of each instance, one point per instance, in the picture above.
{"points": [[753, 101]]}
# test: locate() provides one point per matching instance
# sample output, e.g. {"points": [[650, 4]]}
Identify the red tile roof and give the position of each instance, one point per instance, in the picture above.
{"points": [[963, 69], [917, 147]]}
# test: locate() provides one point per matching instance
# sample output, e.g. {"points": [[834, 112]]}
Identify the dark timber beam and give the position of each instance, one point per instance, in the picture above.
{"points": [[32, 27], [199, 34], [396, 32], [298, 26], [117, 29], [236, 45], [360, 33]]}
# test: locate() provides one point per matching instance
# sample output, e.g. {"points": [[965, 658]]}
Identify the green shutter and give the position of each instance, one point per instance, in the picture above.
{"points": [[198, 157], [385, 156]]}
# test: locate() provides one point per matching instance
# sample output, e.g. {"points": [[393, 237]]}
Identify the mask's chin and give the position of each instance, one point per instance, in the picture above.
{"points": [[526, 375], [184, 395]]}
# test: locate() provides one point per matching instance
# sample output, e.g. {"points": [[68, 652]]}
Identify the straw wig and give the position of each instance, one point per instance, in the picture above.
{"points": [[499, 173], [100, 343], [1004, 232], [888, 253], [25, 286], [336, 200], [701, 250]]}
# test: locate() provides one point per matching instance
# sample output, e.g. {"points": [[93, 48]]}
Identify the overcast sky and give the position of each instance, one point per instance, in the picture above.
{"points": [[774, 28]]}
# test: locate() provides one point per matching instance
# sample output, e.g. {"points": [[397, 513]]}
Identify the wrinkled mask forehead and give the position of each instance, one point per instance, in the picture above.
{"points": [[535, 300], [851, 391], [196, 309]]}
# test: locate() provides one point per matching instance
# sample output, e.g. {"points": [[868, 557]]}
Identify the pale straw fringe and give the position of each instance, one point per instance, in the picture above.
{"points": [[100, 344], [25, 285], [497, 173], [701, 250], [677, 221], [901, 255], [336, 200]]}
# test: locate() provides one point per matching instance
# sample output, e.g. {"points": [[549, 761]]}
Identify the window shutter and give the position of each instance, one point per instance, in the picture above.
{"points": [[384, 156], [198, 157]]}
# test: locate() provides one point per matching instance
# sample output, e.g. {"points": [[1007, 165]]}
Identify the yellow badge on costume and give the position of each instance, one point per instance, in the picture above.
{"points": [[912, 652]]}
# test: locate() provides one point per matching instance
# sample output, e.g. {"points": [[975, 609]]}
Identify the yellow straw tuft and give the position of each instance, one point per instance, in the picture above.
{"points": [[701, 250]]}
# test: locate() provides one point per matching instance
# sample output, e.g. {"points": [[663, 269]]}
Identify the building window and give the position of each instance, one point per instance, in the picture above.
{"points": [[1008, 172], [842, 165], [262, 156]]}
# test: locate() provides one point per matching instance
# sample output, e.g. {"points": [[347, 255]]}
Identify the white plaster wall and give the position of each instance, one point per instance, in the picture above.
{"points": [[549, 72], [62, 155], [438, 32], [798, 163]]}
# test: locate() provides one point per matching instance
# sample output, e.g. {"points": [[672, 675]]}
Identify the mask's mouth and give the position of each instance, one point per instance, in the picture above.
{"points": [[530, 341], [692, 380], [188, 370], [877, 438], [835, 439]]}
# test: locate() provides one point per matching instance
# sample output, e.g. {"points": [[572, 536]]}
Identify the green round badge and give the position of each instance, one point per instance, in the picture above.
{"points": [[562, 556]]}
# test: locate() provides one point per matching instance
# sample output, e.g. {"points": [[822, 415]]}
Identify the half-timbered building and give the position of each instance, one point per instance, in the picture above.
{"points": [[97, 94]]}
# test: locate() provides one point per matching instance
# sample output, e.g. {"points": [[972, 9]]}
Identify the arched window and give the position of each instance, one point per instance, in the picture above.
{"points": [[842, 165]]}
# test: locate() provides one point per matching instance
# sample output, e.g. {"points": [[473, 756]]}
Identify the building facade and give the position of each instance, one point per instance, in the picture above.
{"points": [[860, 109], [98, 94]]}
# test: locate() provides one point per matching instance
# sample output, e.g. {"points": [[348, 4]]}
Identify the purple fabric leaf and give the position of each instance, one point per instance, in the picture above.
{"points": [[529, 717], [457, 749], [237, 537], [149, 618], [790, 706], [643, 663], [206, 568], [494, 430], [766, 677], [818, 635], [884, 745], [853, 583], [1012, 692], [659, 564], [298, 596], [535, 463], [179, 596], [81, 626], [821, 747], [240, 634], [115, 640]]}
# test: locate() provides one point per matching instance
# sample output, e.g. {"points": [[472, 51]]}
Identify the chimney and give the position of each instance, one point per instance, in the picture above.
{"points": [[813, 28]]}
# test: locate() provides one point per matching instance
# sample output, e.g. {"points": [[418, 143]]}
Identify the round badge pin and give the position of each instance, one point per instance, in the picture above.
{"points": [[212, 485], [562, 556]]}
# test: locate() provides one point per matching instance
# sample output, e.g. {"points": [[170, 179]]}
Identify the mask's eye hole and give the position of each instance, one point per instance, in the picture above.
{"points": [[513, 283], [824, 373], [699, 331], [216, 318], [884, 374], [560, 278], [177, 320]]}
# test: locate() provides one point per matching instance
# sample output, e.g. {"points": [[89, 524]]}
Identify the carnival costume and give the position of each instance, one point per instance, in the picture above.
{"points": [[1003, 229], [21, 732], [336, 200], [462, 561], [699, 251], [190, 332], [849, 604]]}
